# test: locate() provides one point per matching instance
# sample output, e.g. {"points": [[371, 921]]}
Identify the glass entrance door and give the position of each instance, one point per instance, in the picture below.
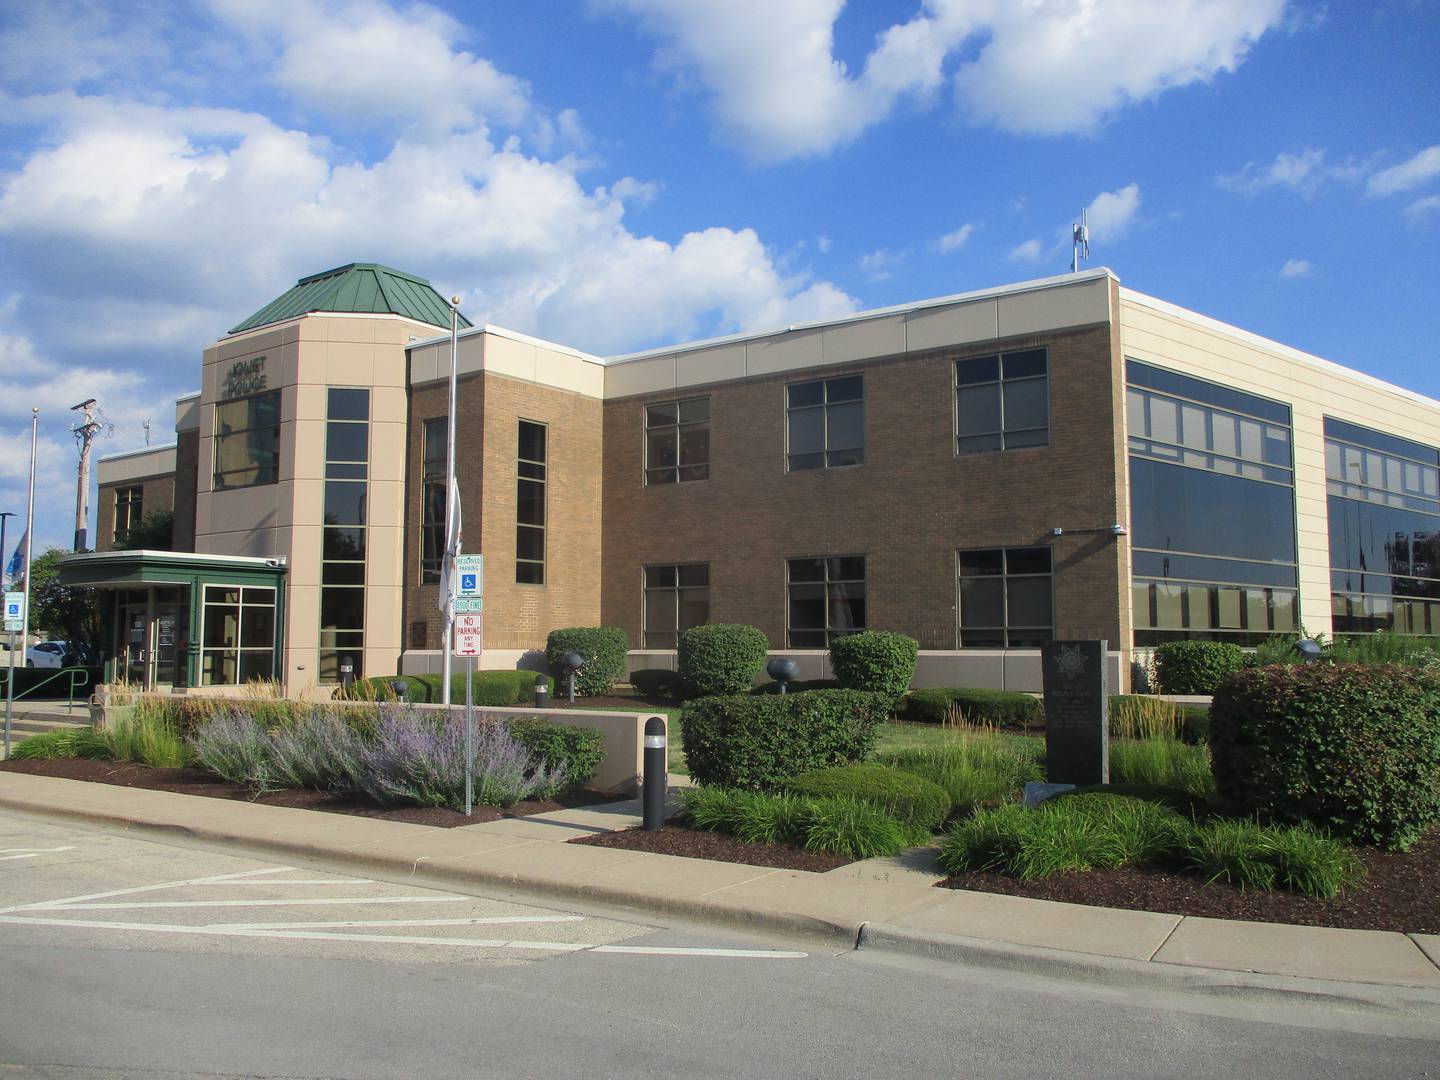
{"points": [[171, 632]]}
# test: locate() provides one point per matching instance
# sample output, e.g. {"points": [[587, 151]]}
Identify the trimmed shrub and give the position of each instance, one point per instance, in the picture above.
{"points": [[797, 686], [492, 689], [760, 742], [1002, 708], [656, 682], [875, 660], [576, 752], [1351, 749], [1133, 714], [604, 649], [720, 658], [903, 795], [1196, 667]]}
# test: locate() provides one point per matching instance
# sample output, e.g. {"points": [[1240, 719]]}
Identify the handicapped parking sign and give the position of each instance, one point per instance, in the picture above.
{"points": [[468, 583], [14, 611]]}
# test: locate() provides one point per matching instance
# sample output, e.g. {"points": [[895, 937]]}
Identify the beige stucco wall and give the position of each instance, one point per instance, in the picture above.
{"points": [[303, 358], [1168, 336]]}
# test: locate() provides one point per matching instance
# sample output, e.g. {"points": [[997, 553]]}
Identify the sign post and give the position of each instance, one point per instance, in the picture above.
{"points": [[469, 641]]}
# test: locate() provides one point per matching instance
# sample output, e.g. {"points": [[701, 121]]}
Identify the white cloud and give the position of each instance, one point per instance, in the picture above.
{"points": [[363, 61], [1304, 172], [1407, 176], [1110, 213], [822, 243], [954, 241], [880, 264], [1295, 268], [1422, 210], [1052, 67], [1029, 251]]}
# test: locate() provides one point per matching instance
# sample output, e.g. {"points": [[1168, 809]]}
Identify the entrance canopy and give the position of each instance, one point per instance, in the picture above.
{"points": [[179, 619]]}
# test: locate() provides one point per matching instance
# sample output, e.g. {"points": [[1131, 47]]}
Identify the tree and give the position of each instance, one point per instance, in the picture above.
{"points": [[64, 613], [154, 532]]}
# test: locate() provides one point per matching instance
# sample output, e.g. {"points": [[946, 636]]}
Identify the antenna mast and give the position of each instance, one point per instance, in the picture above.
{"points": [[1080, 239]]}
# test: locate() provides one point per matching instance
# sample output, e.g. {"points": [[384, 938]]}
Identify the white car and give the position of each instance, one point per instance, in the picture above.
{"points": [[50, 654]]}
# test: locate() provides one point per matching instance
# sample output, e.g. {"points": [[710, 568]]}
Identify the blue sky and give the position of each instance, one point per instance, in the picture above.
{"points": [[618, 174]]}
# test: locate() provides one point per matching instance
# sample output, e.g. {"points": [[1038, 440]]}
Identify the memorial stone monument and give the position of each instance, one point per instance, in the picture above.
{"points": [[1077, 721]]}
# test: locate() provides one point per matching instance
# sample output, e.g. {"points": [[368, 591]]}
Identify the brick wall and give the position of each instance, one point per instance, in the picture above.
{"points": [[908, 509], [488, 414], [158, 493]]}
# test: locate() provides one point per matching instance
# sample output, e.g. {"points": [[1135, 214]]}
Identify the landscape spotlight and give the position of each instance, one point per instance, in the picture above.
{"points": [[1309, 651], [782, 671], [572, 662]]}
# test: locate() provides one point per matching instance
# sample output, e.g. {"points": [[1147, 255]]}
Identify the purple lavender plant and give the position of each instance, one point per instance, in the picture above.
{"points": [[318, 751], [233, 745]]}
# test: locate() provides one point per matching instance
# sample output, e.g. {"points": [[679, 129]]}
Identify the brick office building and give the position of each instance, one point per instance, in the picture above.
{"points": [[1057, 458]]}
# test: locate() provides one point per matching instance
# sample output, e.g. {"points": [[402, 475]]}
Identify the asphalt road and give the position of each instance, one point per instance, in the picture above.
{"points": [[128, 957]]}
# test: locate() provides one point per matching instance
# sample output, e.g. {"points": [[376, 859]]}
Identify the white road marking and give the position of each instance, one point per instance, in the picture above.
{"points": [[482, 920], [35, 850], [389, 939], [326, 901], [149, 888], [31, 855], [294, 881]]}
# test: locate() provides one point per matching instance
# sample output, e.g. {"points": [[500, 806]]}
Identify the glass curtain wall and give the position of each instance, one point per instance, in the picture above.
{"points": [[1212, 510], [342, 567], [1384, 508]]}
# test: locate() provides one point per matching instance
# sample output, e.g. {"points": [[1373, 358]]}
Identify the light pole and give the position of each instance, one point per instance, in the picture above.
{"points": [[452, 507]]}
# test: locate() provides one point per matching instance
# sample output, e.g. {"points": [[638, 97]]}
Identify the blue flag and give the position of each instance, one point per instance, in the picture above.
{"points": [[16, 565]]}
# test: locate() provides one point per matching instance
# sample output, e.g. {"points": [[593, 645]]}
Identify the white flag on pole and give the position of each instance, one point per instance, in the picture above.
{"points": [[452, 534]]}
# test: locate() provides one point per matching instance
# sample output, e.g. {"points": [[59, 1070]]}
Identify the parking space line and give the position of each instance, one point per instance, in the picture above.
{"points": [[397, 939], [29, 853], [148, 888], [477, 921], [323, 900]]}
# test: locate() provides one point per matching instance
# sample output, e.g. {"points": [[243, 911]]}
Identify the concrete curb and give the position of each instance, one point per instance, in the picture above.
{"points": [[1095, 970]]}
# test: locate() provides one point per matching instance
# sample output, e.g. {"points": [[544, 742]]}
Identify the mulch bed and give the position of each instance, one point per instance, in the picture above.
{"points": [[1400, 891], [694, 844], [195, 781]]}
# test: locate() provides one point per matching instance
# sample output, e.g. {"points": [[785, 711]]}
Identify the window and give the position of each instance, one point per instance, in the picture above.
{"points": [[827, 600], [434, 455], [1200, 435], [1005, 598], [530, 505], [677, 441], [129, 508], [342, 566], [1002, 402], [238, 637], [825, 422], [1384, 512], [676, 598], [247, 441]]}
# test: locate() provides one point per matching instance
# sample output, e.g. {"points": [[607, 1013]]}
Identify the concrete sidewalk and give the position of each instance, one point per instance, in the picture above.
{"points": [[880, 905]]}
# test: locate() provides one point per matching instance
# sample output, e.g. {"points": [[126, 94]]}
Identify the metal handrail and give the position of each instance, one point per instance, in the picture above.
{"points": [[78, 675]]}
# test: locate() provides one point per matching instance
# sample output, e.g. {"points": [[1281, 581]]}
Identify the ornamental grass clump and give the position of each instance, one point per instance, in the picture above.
{"points": [[836, 825], [981, 768], [64, 743], [1162, 762], [148, 736]]}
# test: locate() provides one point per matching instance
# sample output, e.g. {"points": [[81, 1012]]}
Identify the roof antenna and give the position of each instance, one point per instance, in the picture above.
{"points": [[1080, 238]]}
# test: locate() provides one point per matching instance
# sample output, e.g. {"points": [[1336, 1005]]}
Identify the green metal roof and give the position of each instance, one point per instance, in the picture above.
{"points": [[358, 287]]}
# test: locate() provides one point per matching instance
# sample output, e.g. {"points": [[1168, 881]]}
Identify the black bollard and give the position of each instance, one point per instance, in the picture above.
{"points": [[656, 774]]}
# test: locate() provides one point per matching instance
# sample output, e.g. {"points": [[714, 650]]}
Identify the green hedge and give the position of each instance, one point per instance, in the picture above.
{"points": [[875, 660], [762, 741], [656, 682], [1354, 749], [1196, 667], [604, 649], [493, 689], [797, 686], [579, 750], [720, 658], [1004, 708], [904, 796]]}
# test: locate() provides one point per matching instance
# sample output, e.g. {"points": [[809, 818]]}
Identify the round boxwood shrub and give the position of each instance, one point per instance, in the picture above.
{"points": [[1351, 748], [656, 682], [720, 658], [904, 796], [604, 649], [875, 660], [760, 741], [1196, 667], [1003, 708]]}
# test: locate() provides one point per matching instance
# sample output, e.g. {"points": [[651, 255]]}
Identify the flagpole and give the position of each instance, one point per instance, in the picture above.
{"points": [[447, 578], [25, 610]]}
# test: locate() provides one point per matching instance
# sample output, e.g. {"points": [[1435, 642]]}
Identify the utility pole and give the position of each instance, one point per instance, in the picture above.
{"points": [[85, 433]]}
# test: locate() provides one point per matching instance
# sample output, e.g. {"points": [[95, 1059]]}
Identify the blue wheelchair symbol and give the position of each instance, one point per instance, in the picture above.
{"points": [[467, 582]]}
